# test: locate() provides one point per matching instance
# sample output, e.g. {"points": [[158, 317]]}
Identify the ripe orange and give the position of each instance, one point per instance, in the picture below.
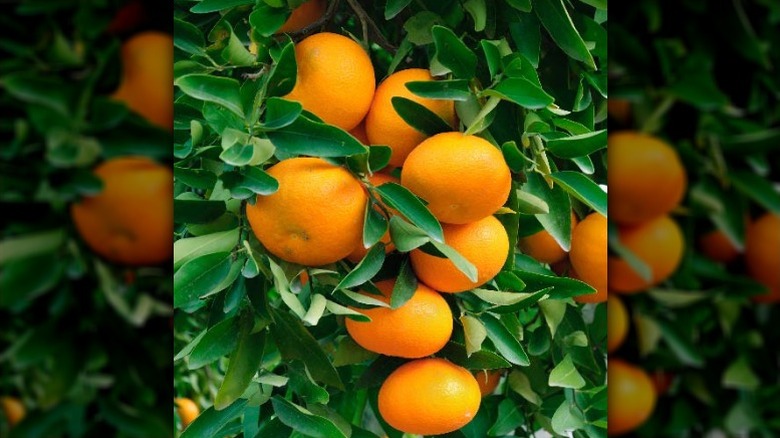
{"points": [[716, 246], [146, 86], [304, 15], [357, 255], [419, 328], [359, 132], [383, 124], [659, 243], [488, 380], [631, 397], [543, 247], [429, 397], [617, 323], [131, 220], [187, 409], [646, 177], [463, 178], [335, 79], [484, 243], [315, 217], [588, 256], [13, 409], [620, 110], [762, 255], [662, 381]]}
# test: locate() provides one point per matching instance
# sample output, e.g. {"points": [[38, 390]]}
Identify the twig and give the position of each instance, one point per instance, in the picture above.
{"points": [[326, 17], [367, 22]]}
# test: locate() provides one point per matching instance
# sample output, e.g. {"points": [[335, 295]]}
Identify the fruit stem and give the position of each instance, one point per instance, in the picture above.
{"points": [[650, 124]]}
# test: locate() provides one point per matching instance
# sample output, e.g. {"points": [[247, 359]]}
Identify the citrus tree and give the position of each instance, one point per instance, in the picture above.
{"points": [[697, 241], [85, 242], [352, 181]]}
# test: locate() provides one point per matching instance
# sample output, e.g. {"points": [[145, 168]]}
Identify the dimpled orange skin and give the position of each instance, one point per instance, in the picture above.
{"points": [[762, 255], [588, 256], [383, 124], [419, 328], [659, 243], [646, 177], [188, 411], [316, 216], [357, 255], [130, 221], [335, 79], [617, 323], [304, 15], [463, 178], [488, 380], [484, 243], [146, 86], [13, 409], [543, 247], [631, 397], [429, 397], [716, 246]]}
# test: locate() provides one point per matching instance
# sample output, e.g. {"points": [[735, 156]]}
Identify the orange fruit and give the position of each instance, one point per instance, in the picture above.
{"points": [[304, 15], [146, 86], [631, 397], [484, 243], [543, 247], [131, 220], [187, 409], [588, 256], [662, 381], [359, 132], [383, 124], [463, 178], [335, 79], [620, 110], [658, 243], [13, 409], [762, 255], [429, 397], [357, 255], [617, 323], [419, 328], [315, 217], [646, 177], [716, 246], [488, 380]]}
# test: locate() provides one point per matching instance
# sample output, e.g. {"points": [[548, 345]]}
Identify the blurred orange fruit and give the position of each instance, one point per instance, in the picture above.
{"points": [[488, 380], [419, 328], [662, 381], [619, 109], [617, 323], [335, 79], [357, 255], [716, 246], [762, 255], [383, 124], [315, 217], [429, 397], [187, 409], [543, 247], [146, 86], [658, 243], [631, 397], [131, 220], [14, 410], [463, 178], [646, 177], [484, 243], [304, 15], [588, 256]]}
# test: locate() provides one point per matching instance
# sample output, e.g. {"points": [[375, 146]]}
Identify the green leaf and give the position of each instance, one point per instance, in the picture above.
{"points": [[266, 20], [739, 375], [478, 360], [578, 145], [303, 421], [474, 333], [280, 112], [757, 188], [460, 262], [394, 7], [453, 53], [509, 418], [563, 287], [216, 342], [366, 269], [190, 211], [683, 348], [401, 199], [454, 89], [22, 280], [555, 18], [307, 137], [405, 285], [520, 5], [190, 248], [215, 89], [211, 421], [284, 74], [521, 384], [478, 11], [244, 363], [200, 276], [187, 37], [27, 245], [374, 226], [206, 6], [582, 188], [565, 375], [522, 92], [566, 417], [419, 117], [406, 236], [558, 221], [553, 311], [44, 91], [506, 343]]}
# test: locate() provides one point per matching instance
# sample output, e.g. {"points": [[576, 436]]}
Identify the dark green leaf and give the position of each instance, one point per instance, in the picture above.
{"points": [[558, 22], [479, 360], [557, 221], [219, 90], [304, 421], [757, 188], [405, 285], [401, 199], [522, 92], [366, 269], [206, 6], [218, 341], [394, 7], [284, 74], [506, 343], [187, 37], [455, 89], [210, 421], [582, 188], [280, 113], [419, 117], [307, 137], [406, 236], [197, 212], [199, 277], [243, 365], [578, 145], [453, 53]]}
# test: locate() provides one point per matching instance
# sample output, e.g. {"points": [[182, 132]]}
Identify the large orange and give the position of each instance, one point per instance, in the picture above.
{"points": [[484, 243], [357, 255], [131, 220], [588, 256], [463, 178], [419, 328], [716, 246], [315, 217], [631, 397], [617, 323], [187, 409], [762, 254], [335, 79], [429, 397], [543, 247], [383, 124], [146, 86], [658, 243], [13, 409], [488, 381], [646, 177], [304, 15]]}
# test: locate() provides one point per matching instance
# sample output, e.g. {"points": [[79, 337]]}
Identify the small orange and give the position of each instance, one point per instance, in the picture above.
{"points": [[762, 255], [617, 323], [359, 132], [335, 79], [543, 247], [620, 110], [631, 397], [429, 397], [716, 246], [646, 177], [357, 255], [484, 243], [14, 410], [383, 124], [588, 256], [304, 15], [463, 178], [187, 409], [658, 243], [662, 381], [419, 328], [315, 217], [488, 381], [131, 220]]}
